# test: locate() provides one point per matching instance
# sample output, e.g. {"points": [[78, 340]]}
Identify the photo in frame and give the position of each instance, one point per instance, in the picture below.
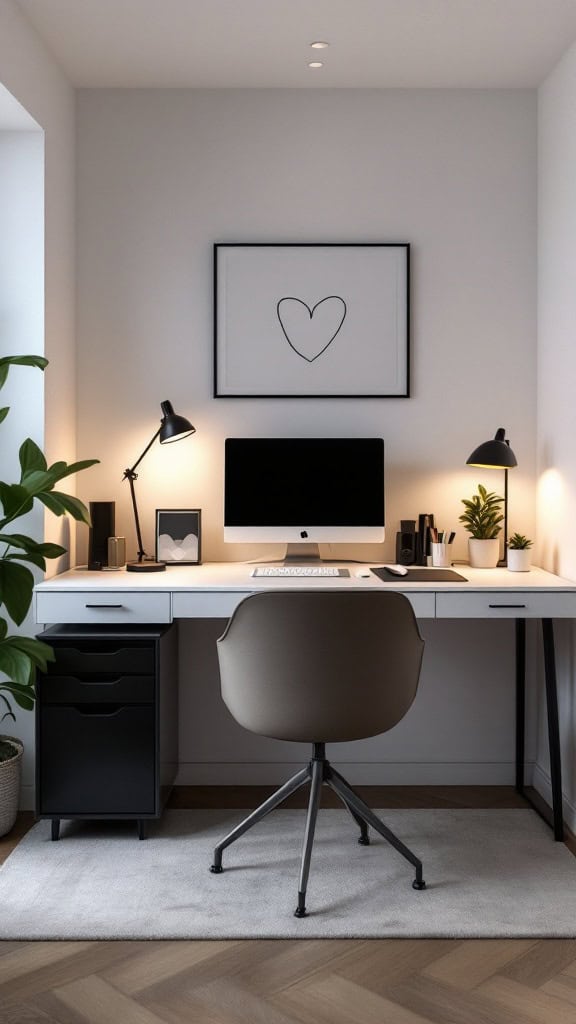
{"points": [[179, 536], [315, 320]]}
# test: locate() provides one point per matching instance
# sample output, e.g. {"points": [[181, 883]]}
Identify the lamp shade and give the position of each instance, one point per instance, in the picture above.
{"points": [[173, 427], [494, 454]]}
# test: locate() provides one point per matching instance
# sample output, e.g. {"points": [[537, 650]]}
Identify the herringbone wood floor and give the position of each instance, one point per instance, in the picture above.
{"points": [[290, 982]]}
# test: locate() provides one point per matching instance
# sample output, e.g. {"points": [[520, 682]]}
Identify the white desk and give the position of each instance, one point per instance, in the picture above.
{"points": [[213, 590]]}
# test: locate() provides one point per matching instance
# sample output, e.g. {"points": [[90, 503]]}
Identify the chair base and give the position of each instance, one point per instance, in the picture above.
{"points": [[319, 772]]}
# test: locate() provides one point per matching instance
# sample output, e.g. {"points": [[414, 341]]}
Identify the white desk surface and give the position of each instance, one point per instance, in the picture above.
{"points": [[236, 576]]}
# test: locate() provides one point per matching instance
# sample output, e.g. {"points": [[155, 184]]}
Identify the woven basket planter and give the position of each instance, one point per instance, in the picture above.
{"points": [[10, 774]]}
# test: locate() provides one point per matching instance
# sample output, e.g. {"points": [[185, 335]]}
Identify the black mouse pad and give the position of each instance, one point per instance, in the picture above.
{"points": [[421, 575]]}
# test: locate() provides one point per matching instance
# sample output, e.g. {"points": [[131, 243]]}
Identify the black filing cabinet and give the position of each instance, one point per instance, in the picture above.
{"points": [[107, 723]]}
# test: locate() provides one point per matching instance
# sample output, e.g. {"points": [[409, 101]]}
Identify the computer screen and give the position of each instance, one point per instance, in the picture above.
{"points": [[298, 490]]}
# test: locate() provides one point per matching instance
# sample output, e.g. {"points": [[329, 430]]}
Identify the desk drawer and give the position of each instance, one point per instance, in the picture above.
{"points": [[102, 607], [206, 604], [213, 605], [506, 605]]}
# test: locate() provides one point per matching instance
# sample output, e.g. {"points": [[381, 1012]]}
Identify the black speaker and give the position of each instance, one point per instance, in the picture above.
{"points": [[406, 542], [103, 516]]}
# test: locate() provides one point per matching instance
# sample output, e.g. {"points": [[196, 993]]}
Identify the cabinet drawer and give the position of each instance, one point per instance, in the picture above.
{"points": [[506, 605], [96, 762], [112, 690], [102, 607], [102, 657]]}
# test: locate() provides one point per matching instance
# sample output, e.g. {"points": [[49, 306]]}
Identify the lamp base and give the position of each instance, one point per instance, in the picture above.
{"points": [[145, 566]]}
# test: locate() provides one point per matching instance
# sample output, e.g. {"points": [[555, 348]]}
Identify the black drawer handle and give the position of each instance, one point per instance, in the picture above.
{"points": [[99, 710], [507, 606], [95, 653], [104, 606]]}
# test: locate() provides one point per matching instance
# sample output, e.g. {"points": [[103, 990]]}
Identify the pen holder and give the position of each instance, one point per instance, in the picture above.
{"points": [[442, 555]]}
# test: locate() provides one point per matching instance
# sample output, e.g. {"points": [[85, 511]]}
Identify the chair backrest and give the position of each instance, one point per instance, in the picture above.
{"points": [[320, 667]]}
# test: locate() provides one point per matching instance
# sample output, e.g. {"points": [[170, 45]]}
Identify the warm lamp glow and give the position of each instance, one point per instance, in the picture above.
{"points": [[551, 491]]}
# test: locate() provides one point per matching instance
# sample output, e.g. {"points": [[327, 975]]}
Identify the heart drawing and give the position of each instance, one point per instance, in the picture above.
{"points": [[309, 331]]}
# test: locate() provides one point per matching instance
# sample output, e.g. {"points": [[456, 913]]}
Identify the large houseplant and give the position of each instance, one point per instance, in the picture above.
{"points": [[21, 656], [481, 518]]}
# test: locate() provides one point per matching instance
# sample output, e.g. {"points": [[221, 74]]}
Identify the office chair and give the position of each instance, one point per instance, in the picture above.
{"points": [[320, 667]]}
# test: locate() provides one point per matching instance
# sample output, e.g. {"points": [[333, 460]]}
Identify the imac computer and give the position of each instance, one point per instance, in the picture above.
{"points": [[304, 492]]}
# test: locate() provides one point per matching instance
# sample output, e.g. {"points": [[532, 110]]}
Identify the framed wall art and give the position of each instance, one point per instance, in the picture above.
{"points": [[178, 536], [311, 321]]}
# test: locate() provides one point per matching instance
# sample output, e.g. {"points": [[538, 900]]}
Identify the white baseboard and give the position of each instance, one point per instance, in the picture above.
{"points": [[357, 773]]}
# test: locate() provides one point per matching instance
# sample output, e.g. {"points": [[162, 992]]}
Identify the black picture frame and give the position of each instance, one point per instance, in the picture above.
{"points": [[333, 320], [177, 524]]}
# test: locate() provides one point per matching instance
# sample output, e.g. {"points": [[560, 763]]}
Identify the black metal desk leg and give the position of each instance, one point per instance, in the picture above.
{"points": [[520, 701], [553, 727]]}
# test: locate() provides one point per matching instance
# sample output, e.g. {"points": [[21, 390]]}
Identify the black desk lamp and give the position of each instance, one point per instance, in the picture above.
{"points": [[172, 428], [496, 454]]}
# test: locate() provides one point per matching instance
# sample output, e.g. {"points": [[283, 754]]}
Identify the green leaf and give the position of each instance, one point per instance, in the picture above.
{"points": [[3, 628], [7, 361], [36, 481], [14, 663], [16, 587], [31, 458], [24, 700], [60, 503], [15, 500], [11, 539], [38, 652], [4, 412], [61, 469], [33, 558], [38, 361], [19, 540]]}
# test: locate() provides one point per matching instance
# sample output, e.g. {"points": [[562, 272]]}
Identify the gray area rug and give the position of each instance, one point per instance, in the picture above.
{"points": [[490, 873]]}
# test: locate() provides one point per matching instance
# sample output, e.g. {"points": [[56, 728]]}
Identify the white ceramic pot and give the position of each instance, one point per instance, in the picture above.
{"points": [[483, 554], [519, 559]]}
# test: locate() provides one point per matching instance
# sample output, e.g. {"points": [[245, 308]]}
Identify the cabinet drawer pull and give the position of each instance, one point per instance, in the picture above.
{"points": [[104, 606], [99, 710], [507, 606]]}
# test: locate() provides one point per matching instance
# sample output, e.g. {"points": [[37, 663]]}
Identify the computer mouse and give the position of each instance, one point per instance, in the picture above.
{"points": [[396, 570], [363, 574]]}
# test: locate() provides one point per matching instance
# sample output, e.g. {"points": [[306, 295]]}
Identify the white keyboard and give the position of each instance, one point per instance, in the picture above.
{"points": [[300, 570]]}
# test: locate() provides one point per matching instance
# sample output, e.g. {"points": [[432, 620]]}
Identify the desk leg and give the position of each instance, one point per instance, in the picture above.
{"points": [[557, 822], [520, 701], [553, 727]]}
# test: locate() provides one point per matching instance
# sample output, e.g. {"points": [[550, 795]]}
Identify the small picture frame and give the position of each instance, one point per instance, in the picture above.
{"points": [[179, 536]]}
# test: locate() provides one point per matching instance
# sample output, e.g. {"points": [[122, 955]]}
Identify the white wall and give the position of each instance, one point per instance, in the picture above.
{"points": [[164, 174], [556, 376], [30, 74], [22, 332]]}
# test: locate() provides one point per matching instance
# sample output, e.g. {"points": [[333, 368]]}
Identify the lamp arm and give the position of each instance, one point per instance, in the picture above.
{"points": [[139, 460], [130, 475]]}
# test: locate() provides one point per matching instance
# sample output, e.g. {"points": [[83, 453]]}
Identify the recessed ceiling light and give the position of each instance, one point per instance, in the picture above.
{"points": [[315, 64], [319, 45]]}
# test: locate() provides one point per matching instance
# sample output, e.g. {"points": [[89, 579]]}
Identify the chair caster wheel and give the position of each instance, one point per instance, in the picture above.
{"points": [[300, 912], [364, 840], [216, 869], [418, 884]]}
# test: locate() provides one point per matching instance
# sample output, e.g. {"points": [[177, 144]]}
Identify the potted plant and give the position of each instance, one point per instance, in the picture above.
{"points": [[20, 656], [482, 518], [519, 553]]}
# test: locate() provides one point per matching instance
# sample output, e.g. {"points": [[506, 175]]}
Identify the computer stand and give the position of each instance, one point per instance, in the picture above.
{"points": [[303, 554]]}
